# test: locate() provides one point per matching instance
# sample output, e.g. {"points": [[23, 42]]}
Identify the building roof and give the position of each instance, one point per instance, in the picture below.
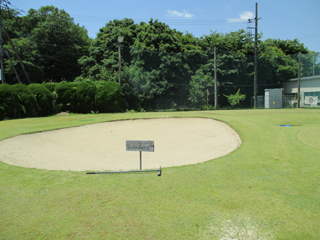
{"points": [[317, 77]]}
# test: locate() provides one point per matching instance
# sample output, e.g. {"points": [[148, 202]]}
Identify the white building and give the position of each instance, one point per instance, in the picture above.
{"points": [[309, 91]]}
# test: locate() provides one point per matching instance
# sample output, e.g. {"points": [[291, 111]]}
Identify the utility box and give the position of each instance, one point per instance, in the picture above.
{"points": [[273, 98]]}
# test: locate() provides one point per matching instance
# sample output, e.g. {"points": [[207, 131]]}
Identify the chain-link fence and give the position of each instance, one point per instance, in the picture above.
{"points": [[158, 80]]}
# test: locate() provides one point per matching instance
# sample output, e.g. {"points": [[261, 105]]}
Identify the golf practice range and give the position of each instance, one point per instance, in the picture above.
{"points": [[226, 174]]}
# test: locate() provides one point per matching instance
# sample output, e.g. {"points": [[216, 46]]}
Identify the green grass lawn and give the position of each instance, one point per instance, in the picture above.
{"points": [[269, 188]]}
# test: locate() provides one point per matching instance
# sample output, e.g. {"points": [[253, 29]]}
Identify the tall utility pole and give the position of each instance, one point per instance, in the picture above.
{"points": [[313, 63], [255, 79], [1, 48], [299, 78], [256, 59]]}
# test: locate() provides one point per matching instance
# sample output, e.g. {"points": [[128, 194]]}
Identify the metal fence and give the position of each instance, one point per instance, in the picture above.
{"points": [[158, 80]]}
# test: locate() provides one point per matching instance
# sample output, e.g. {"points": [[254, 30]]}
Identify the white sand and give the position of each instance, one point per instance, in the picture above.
{"points": [[102, 146]]}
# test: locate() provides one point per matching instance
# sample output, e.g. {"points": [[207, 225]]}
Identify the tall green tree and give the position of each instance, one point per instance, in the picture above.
{"points": [[48, 42]]}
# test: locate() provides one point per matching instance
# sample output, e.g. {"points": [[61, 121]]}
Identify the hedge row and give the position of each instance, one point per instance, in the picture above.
{"points": [[38, 100]]}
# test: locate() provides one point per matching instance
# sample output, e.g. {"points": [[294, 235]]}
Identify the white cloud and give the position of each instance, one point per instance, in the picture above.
{"points": [[243, 17], [179, 14]]}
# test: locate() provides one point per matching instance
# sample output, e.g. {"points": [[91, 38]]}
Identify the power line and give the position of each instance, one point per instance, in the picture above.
{"points": [[59, 61], [176, 22], [310, 36]]}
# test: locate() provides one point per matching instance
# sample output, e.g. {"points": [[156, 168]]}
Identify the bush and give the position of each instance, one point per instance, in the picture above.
{"points": [[9, 102], [86, 91], [49, 86], [109, 97], [27, 100], [234, 99], [66, 96], [44, 98]]}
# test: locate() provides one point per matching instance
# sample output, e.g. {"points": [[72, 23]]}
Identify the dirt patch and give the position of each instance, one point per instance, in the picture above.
{"points": [[63, 114]]}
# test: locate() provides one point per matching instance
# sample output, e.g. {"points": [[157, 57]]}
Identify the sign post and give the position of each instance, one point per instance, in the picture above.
{"points": [[141, 146]]}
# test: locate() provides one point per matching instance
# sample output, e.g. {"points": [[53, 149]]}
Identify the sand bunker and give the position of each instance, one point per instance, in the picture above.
{"points": [[102, 146]]}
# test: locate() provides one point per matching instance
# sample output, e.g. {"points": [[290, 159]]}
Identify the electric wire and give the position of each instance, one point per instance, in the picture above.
{"points": [[166, 21], [59, 60]]}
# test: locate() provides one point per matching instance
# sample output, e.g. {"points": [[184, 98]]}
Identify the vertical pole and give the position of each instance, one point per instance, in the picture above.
{"points": [[255, 59], [119, 50], [215, 79], [299, 80], [313, 62], [140, 160], [1, 48]]}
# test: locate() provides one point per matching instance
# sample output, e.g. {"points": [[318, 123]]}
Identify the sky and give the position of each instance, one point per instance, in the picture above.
{"points": [[280, 19]]}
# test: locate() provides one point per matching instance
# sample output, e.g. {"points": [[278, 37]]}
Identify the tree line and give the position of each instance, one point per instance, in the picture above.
{"points": [[161, 67]]}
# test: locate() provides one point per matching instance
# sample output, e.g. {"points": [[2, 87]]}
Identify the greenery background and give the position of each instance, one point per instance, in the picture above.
{"points": [[161, 67]]}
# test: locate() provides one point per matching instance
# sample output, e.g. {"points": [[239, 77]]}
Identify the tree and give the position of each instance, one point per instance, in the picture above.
{"points": [[198, 87], [48, 42]]}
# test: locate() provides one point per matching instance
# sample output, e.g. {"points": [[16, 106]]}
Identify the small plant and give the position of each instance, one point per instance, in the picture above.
{"points": [[234, 99]]}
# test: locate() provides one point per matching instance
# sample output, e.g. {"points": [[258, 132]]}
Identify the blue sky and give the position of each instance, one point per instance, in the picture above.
{"points": [[280, 19]]}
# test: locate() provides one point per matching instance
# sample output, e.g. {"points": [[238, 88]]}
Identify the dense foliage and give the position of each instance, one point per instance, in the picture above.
{"points": [[108, 97], [28, 102], [161, 67], [86, 91], [10, 106], [35, 100], [66, 96], [48, 42], [44, 99]]}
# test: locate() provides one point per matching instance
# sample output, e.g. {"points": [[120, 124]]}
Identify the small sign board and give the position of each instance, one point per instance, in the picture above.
{"points": [[144, 146]]}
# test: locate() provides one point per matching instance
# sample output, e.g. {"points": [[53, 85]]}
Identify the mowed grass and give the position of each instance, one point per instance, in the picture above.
{"points": [[266, 189]]}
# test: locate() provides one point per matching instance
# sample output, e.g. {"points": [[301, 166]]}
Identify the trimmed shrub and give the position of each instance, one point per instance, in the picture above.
{"points": [[86, 91], [44, 98], [49, 86], [66, 96], [9, 102], [109, 97], [27, 100]]}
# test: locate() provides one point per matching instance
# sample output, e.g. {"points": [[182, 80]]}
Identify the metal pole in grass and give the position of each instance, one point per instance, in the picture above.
{"points": [[134, 171], [140, 160]]}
